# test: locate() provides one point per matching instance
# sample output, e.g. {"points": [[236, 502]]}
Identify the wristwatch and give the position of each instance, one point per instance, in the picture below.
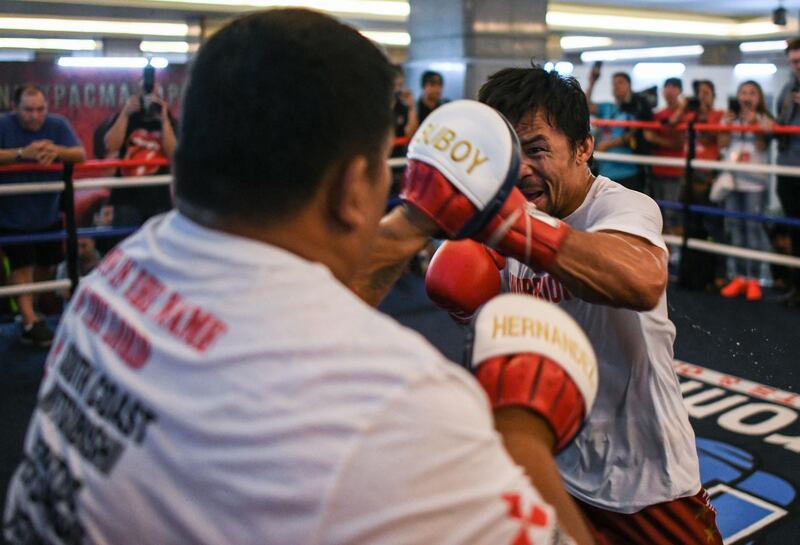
{"points": [[19, 154]]}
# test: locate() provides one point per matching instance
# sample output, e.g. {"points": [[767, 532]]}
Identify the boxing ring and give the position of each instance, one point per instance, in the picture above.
{"points": [[741, 388]]}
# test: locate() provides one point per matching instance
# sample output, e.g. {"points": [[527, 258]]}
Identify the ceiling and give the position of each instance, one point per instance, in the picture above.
{"points": [[203, 18], [730, 8]]}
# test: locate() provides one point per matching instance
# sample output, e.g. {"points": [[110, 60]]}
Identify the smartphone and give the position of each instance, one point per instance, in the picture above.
{"points": [[733, 106], [596, 69], [148, 79]]}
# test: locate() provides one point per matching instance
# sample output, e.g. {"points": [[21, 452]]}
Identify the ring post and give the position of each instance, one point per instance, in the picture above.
{"points": [[686, 200], [72, 229]]}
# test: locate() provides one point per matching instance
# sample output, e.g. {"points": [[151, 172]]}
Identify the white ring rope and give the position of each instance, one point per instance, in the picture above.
{"points": [[734, 251], [88, 183], [697, 163], [397, 162], [641, 159], [747, 167], [36, 287]]}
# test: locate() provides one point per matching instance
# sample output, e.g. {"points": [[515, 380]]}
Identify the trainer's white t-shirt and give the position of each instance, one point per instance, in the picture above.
{"points": [[209, 389], [637, 447]]}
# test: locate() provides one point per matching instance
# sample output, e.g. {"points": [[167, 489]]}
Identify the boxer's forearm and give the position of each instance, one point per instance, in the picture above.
{"points": [[398, 240], [530, 442], [611, 268]]}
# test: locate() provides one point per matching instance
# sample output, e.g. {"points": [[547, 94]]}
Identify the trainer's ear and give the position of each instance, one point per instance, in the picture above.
{"points": [[351, 194]]}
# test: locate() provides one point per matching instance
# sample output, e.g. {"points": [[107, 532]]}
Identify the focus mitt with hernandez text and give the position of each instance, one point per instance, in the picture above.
{"points": [[529, 353]]}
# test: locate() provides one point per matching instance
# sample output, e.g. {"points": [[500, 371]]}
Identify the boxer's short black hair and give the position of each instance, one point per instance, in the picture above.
{"points": [[275, 99], [516, 91]]}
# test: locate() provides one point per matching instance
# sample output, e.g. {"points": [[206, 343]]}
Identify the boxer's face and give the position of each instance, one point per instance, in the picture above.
{"points": [[552, 176]]}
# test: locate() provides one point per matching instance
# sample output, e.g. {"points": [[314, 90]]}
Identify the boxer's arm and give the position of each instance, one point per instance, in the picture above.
{"points": [[529, 441], [401, 234], [612, 268]]}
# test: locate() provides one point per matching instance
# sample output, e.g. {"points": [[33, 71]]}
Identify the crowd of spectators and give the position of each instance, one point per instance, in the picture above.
{"points": [[741, 193], [29, 134]]}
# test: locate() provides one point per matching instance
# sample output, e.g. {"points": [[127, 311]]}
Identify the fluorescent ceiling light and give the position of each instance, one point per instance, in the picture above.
{"points": [[147, 46], [388, 38], [754, 47], [661, 70], [111, 62], [564, 67], [17, 56], [381, 8], [754, 70], [584, 42], [600, 21], [645, 53], [573, 17], [94, 26], [757, 28], [49, 43]]}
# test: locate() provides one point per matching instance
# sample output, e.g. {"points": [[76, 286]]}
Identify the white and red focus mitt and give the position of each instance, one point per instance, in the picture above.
{"points": [[463, 167], [463, 162], [529, 353]]}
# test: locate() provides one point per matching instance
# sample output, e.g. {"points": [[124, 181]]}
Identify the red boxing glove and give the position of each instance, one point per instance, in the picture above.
{"points": [[529, 353], [522, 231], [462, 276]]}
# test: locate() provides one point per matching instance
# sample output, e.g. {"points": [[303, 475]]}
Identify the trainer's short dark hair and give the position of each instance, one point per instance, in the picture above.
{"points": [[275, 100], [675, 82], [431, 76], [793, 44], [623, 75], [514, 92]]}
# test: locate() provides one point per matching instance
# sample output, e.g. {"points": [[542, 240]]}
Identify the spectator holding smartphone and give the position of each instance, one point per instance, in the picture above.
{"points": [[144, 129]]}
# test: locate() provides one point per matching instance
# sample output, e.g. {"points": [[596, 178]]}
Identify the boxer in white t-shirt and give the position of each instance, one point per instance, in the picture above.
{"points": [[595, 249], [215, 381]]}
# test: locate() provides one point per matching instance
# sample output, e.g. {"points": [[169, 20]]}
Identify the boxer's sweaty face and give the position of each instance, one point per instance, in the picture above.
{"points": [[549, 176]]}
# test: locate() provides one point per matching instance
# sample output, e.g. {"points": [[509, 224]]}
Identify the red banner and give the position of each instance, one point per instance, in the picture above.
{"points": [[87, 96]]}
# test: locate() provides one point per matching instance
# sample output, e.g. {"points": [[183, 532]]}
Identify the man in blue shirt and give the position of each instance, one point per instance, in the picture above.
{"points": [[29, 134], [627, 106]]}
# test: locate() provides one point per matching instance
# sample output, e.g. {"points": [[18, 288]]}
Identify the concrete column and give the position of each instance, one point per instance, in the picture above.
{"points": [[467, 40]]}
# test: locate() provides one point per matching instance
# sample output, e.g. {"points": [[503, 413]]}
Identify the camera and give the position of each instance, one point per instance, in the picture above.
{"points": [[693, 104], [150, 109]]}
